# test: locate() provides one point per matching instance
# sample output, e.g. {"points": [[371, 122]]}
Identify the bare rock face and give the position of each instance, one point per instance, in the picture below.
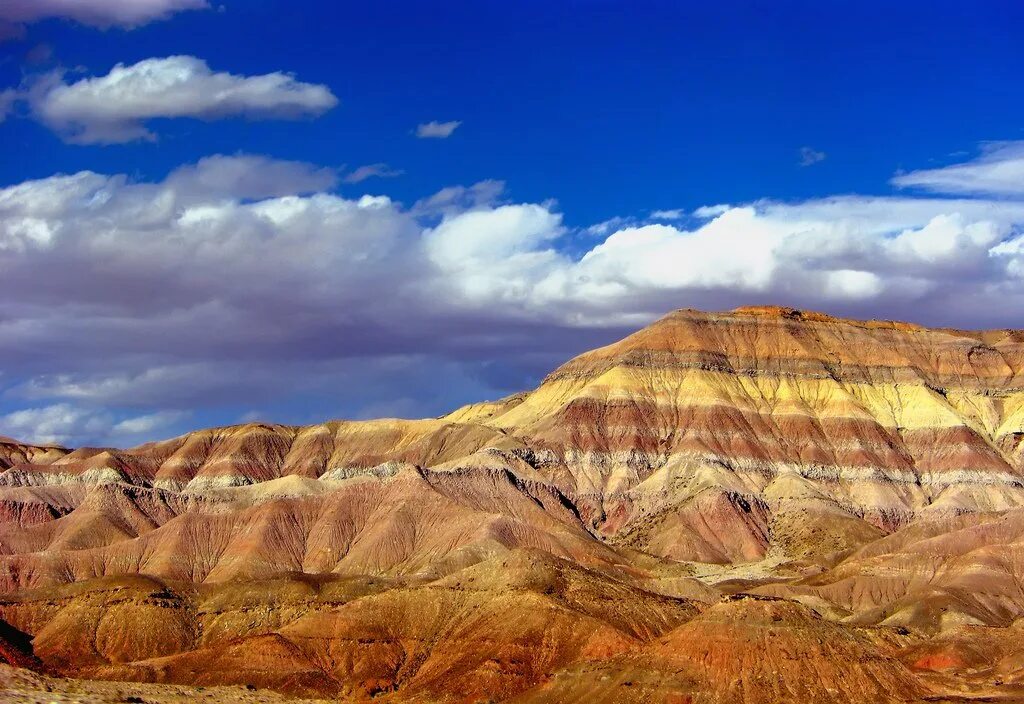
{"points": [[721, 507]]}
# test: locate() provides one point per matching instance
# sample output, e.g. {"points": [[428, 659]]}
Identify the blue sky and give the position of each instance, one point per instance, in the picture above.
{"points": [[613, 108], [270, 238]]}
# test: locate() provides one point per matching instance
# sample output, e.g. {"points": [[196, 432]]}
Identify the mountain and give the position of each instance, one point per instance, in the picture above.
{"points": [[719, 507]]}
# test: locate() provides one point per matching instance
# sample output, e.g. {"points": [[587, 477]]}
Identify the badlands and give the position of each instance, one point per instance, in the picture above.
{"points": [[766, 505]]}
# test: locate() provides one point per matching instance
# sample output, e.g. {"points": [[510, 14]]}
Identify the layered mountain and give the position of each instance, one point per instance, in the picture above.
{"points": [[654, 520]]}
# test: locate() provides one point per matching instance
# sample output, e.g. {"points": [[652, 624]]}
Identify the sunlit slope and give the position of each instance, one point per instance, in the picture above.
{"points": [[884, 420]]}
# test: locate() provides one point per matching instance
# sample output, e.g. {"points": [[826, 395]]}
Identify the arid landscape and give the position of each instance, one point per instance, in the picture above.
{"points": [[573, 352], [766, 505]]}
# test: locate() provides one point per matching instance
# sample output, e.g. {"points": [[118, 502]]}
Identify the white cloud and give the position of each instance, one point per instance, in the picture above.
{"points": [[675, 214], [735, 250], [436, 130], [66, 424], [147, 424], [809, 156], [116, 107], [998, 171], [55, 424], [378, 170], [241, 280], [97, 13], [491, 235], [162, 385], [603, 228], [706, 212], [215, 237], [854, 284]]}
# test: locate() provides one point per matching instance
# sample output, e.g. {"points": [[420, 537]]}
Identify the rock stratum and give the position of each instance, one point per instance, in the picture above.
{"points": [[767, 505]]}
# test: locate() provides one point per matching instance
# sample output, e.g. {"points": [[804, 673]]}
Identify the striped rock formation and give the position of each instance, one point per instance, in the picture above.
{"points": [[859, 480]]}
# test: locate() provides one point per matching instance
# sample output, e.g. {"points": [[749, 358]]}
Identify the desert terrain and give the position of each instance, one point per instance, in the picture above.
{"points": [[765, 505]]}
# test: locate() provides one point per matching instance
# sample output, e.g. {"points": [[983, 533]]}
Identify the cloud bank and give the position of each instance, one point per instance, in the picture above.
{"points": [[245, 280]]}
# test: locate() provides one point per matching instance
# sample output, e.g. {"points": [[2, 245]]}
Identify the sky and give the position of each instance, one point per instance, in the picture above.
{"points": [[220, 212]]}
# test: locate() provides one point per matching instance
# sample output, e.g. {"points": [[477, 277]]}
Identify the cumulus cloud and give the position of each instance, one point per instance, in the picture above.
{"points": [[493, 256], [810, 157], [378, 170], [116, 107], [436, 130], [998, 171], [243, 282], [96, 13]]}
